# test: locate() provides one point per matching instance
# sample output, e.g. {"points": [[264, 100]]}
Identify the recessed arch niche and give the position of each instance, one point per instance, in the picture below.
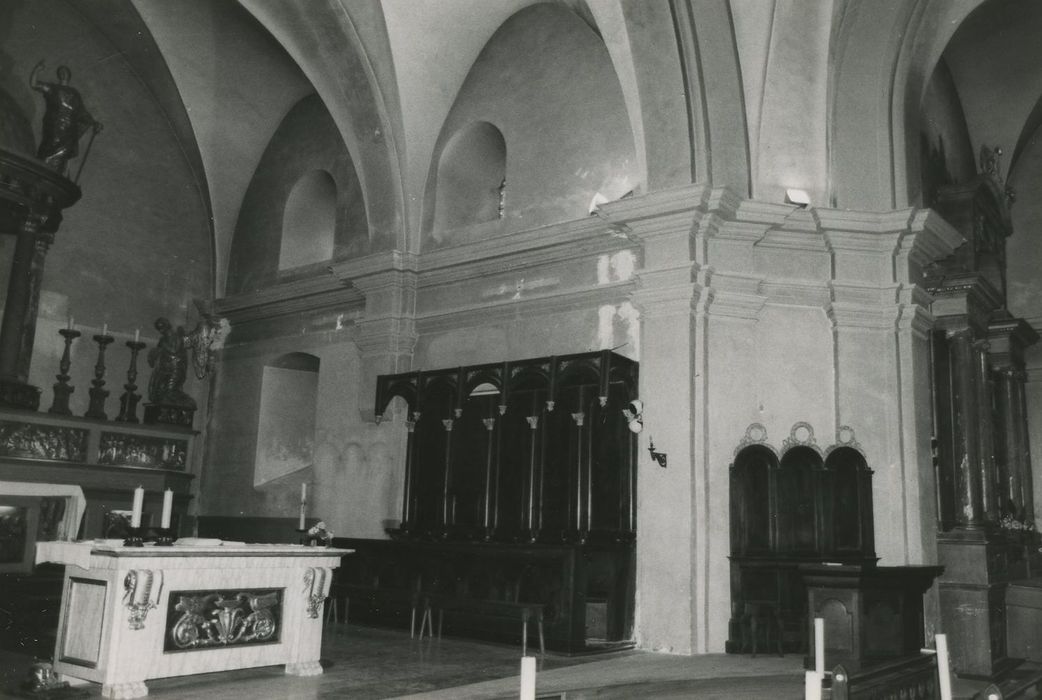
{"points": [[800, 506], [471, 178], [309, 221], [286, 417]]}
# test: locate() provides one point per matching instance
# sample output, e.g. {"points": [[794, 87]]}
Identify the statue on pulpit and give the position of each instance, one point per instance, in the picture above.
{"points": [[65, 120]]}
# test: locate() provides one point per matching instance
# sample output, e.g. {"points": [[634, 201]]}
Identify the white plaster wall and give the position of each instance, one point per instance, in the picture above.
{"points": [[734, 350], [358, 466]]}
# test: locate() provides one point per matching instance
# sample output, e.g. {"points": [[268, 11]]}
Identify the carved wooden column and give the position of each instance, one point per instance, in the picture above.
{"points": [[1008, 339], [972, 587], [963, 406], [31, 200]]}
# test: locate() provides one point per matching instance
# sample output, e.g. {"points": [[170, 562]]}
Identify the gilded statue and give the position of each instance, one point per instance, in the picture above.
{"points": [[65, 120]]}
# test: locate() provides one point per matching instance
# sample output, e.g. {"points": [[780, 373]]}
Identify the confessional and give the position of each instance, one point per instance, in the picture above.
{"points": [[520, 488], [790, 509]]}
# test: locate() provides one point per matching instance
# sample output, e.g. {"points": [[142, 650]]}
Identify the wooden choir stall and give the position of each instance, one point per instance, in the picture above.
{"points": [[519, 503]]}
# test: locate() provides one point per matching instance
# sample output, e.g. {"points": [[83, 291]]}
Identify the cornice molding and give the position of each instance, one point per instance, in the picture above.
{"points": [[534, 305], [301, 296]]}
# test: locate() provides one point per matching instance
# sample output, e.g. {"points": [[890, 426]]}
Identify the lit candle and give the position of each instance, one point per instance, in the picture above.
{"points": [[137, 335], [139, 501], [819, 646], [105, 329], [168, 505]]}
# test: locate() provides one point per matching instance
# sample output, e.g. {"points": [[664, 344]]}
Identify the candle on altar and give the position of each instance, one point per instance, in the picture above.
{"points": [[69, 327], [304, 492], [303, 506], [139, 501], [105, 329], [137, 335], [168, 505]]}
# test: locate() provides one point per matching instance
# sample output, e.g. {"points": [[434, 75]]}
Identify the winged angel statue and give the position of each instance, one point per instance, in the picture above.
{"points": [[169, 358]]}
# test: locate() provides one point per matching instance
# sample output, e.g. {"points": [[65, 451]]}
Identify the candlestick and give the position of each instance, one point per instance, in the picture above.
{"points": [[168, 504], [135, 513], [98, 393], [62, 389], [129, 400]]}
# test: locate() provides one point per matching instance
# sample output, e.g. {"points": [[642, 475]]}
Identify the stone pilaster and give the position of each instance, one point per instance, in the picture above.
{"points": [[386, 331], [669, 585]]}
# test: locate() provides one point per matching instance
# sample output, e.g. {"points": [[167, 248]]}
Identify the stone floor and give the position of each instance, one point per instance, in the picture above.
{"points": [[369, 663]]}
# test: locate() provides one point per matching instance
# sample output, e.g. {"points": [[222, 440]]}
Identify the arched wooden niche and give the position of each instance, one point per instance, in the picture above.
{"points": [[801, 506], [520, 451]]}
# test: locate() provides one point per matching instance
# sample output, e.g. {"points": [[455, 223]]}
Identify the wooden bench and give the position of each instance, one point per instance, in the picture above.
{"points": [[524, 612]]}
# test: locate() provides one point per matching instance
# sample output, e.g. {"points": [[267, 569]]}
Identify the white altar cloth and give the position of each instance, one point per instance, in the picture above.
{"points": [[134, 613], [75, 500]]}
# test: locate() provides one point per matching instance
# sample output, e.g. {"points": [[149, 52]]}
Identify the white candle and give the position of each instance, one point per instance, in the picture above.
{"points": [[944, 678], [105, 329], [70, 322], [168, 505], [139, 501], [304, 492], [527, 678], [302, 507], [819, 646], [137, 335], [811, 686]]}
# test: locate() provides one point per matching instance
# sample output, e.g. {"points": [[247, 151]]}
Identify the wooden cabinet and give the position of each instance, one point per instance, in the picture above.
{"points": [[801, 507]]}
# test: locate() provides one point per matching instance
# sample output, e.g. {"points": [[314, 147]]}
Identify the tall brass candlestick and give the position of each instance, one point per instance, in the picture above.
{"points": [[62, 389], [128, 401], [98, 393]]}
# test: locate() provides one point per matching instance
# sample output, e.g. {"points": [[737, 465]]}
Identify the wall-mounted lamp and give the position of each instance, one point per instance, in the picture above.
{"points": [[634, 415], [798, 197], [659, 457]]}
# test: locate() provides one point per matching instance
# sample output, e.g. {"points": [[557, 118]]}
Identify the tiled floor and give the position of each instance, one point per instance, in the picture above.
{"points": [[369, 663]]}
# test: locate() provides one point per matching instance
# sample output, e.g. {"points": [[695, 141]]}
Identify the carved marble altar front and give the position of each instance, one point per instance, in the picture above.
{"points": [[131, 614]]}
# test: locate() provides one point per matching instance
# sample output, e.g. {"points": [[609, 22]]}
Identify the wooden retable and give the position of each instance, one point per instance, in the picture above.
{"points": [[130, 614]]}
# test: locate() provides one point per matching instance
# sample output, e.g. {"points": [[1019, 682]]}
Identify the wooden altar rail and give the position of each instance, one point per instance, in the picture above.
{"points": [[908, 677], [385, 580], [916, 677]]}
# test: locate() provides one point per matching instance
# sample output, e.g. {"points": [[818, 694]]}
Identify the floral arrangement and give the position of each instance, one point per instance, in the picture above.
{"points": [[1012, 524], [319, 532]]}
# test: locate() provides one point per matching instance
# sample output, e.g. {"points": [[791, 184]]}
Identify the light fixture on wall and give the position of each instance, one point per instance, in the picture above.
{"points": [[634, 413], [798, 197], [658, 457]]}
